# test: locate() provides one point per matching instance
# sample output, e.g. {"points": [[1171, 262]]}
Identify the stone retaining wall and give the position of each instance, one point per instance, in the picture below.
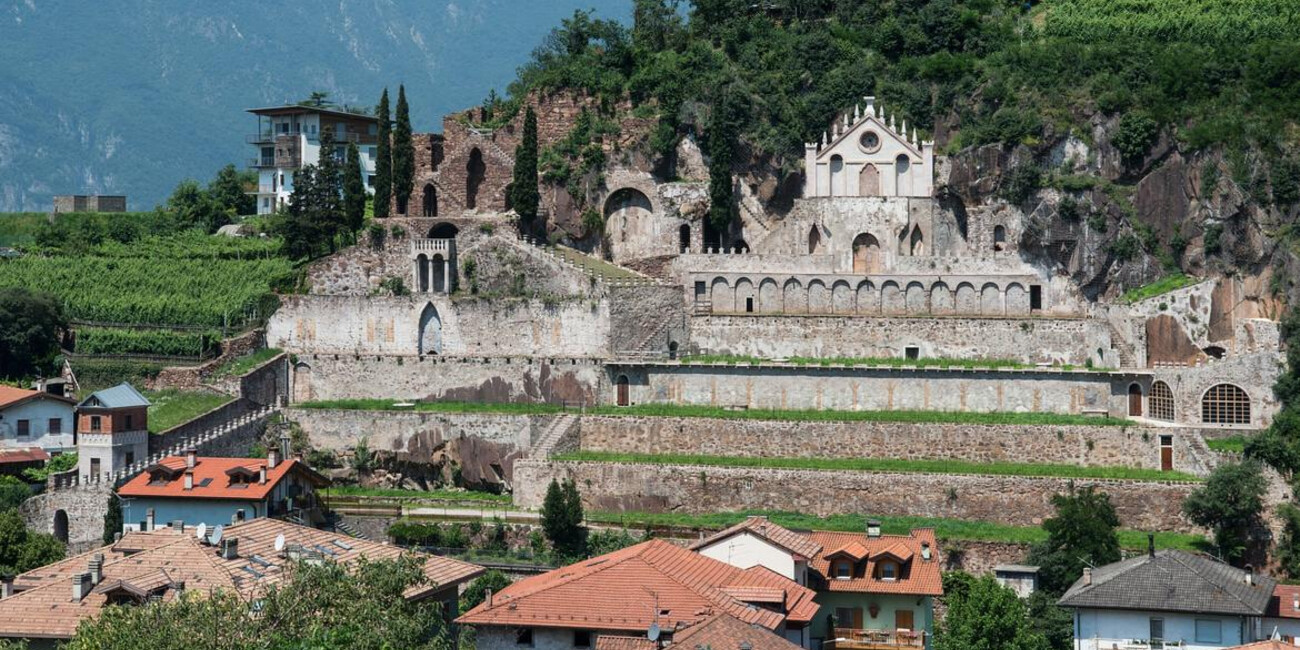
{"points": [[1069, 445], [1014, 500]]}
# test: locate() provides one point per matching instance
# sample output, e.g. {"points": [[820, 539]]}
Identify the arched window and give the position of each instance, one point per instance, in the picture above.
{"points": [[866, 254], [1160, 405], [814, 240], [475, 171], [1225, 404], [837, 175], [61, 526], [443, 230], [684, 238], [430, 201], [999, 238], [901, 166]]}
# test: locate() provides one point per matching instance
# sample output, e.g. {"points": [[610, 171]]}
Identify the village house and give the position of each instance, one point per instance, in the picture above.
{"points": [[112, 431], [1168, 598], [206, 490], [288, 139], [651, 592], [44, 606], [759, 542], [35, 419], [1283, 618]]}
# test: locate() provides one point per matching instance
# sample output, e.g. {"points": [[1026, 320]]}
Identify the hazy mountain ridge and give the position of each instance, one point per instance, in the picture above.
{"points": [[133, 96]]}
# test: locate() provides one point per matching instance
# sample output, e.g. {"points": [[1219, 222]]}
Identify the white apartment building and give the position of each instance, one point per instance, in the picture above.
{"points": [[288, 138]]}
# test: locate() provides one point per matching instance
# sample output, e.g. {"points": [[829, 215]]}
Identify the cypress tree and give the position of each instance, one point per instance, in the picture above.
{"points": [[383, 160], [403, 153], [112, 519], [299, 229], [524, 195], [354, 191], [562, 518], [721, 142], [328, 198]]}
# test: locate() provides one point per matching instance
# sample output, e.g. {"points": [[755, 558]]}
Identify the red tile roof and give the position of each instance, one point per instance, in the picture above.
{"points": [[24, 455], [615, 642], [10, 396], [1265, 645], [44, 608], [918, 576], [217, 472], [723, 632], [620, 591], [796, 543], [1283, 605]]}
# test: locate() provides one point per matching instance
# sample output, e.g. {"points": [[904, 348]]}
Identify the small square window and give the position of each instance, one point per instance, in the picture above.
{"points": [[24, 428], [524, 636], [1209, 631], [912, 352], [128, 422], [56, 426], [96, 423], [843, 570], [582, 638]]}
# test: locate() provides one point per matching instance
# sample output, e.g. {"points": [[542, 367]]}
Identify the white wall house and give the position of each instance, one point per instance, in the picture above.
{"points": [[30, 418], [759, 542], [1168, 599], [288, 138]]}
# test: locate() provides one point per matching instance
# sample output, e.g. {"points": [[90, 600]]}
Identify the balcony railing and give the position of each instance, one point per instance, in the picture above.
{"points": [[855, 639], [266, 161]]}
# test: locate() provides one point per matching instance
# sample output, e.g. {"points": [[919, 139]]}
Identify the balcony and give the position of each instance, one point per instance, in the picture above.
{"points": [[264, 161], [424, 245], [260, 138], [854, 639]]}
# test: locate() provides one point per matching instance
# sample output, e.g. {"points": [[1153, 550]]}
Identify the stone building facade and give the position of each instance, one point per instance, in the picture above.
{"points": [[89, 203]]}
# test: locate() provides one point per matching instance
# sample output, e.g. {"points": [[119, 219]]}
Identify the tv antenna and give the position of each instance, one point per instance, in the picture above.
{"points": [[279, 542], [201, 533], [217, 534]]}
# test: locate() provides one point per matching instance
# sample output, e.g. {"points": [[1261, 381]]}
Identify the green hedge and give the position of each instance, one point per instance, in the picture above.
{"points": [[171, 343]]}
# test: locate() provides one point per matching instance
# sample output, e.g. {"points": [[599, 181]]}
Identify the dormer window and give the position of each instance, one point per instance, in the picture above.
{"points": [[843, 570]]}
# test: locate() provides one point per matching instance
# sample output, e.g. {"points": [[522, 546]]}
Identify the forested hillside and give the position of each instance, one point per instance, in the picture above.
{"points": [[1161, 135]]}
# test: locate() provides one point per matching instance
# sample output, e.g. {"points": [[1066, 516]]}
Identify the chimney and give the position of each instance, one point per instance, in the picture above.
{"points": [[96, 568], [489, 598], [178, 525], [189, 479], [261, 474], [117, 537], [272, 459], [1250, 574], [286, 446], [1151, 544], [148, 520], [191, 458], [925, 551], [873, 528], [80, 586], [229, 548], [6, 586], [1087, 576], [239, 516]]}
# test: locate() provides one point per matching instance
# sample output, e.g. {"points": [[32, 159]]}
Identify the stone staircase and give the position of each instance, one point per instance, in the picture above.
{"points": [[552, 436], [1127, 357], [346, 528]]}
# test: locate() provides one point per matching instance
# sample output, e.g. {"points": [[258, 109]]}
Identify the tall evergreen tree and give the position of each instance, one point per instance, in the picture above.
{"points": [[403, 153], [299, 228], [383, 160], [524, 195], [721, 143], [354, 191], [328, 198], [113, 519], [562, 518]]}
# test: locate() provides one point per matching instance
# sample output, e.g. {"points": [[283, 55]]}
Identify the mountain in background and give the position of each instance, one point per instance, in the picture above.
{"points": [[132, 96]]}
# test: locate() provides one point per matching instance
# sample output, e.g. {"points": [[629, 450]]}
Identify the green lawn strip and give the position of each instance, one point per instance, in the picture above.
{"points": [[597, 266], [885, 465], [172, 407], [681, 410], [1232, 444], [240, 365], [1163, 285], [416, 495], [945, 529]]}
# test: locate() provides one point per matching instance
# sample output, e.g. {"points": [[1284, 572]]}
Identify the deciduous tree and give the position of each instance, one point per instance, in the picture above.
{"points": [[30, 326], [23, 550], [1081, 534], [1230, 503], [984, 615]]}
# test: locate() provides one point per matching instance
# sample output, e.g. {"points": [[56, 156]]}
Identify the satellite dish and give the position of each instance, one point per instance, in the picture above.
{"points": [[653, 632], [201, 532], [279, 542], [216, 534]]}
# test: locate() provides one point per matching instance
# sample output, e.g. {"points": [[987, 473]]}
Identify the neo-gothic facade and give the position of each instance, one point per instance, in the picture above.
{"points": [[865, 155]]}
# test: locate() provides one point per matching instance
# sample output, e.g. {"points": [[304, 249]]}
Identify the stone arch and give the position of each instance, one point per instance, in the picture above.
{"points": [[819, 299], [892, 300], [769, 296], [968, 299], [422, 273], [438, 280], [999, 238], [302, 385], [1225, 404], [918, 301], [866, 254], [814, 240], [622, 390], [1017, 300], [430, 330], [1160, 404], [475, 172], [991, 300], [869, 180], [430, 201], [837, 176], [61, 525], [626, 198], [868, 299], [1134, 400], [443, 230], [684, 239], [916, 245], [842, 297], [942, 300], [793, 298], [720, 295], [902, 165], [629, 215], [745, 298]]}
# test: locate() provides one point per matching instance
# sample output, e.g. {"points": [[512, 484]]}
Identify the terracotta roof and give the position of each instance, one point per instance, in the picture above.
{"points": [[796, 543], [43, 608], [619, 591], [917, 576], [764, 595], [615, 642], [1265, 645], [853, 549], [1285, 599], [724, 632], [10, 396], [24, 455], [212, 479]]}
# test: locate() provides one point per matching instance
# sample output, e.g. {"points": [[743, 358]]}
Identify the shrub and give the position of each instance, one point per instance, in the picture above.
{"points": [[1135, 135]]}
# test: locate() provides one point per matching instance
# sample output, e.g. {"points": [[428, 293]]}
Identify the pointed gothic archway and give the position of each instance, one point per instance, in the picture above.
{"points": [[430, 200], [475, 171], [430, 331]]}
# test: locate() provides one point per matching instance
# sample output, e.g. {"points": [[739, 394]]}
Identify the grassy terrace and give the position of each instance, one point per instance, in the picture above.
{"points": [[172, 407], [1163, 285], [1232, 444], [886, 465], [680, 410], [240, 365], [420, 495], [893, 362], [593, 265], [945, 529]]}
